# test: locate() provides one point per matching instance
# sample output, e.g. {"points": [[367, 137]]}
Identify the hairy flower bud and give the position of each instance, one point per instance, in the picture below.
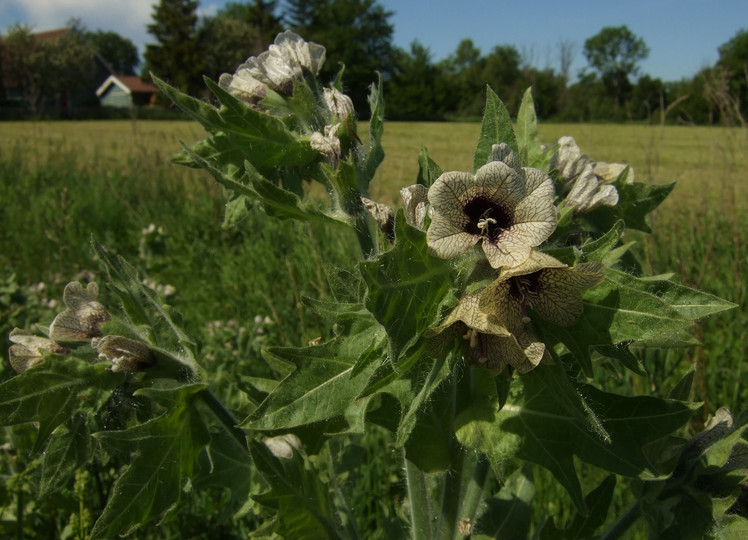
{"points": [[339, 104], [124, 354]]}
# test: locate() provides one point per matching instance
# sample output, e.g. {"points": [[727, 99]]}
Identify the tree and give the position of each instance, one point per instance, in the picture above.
{"points": [[119, 52], [615, 53], [356, 33], [733, 58], [260, 16], [176, 56], [417, 90], [226, 42], [46, 67]]}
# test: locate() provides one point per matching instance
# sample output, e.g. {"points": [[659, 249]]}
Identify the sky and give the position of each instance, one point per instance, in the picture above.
{"points": [[682, 35]]}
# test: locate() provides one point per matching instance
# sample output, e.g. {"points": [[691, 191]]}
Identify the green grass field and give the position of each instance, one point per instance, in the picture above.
{"points": [[62, 182]]}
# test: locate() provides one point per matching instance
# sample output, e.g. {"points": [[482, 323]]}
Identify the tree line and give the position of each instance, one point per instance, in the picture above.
{"points": [[358, 37]]}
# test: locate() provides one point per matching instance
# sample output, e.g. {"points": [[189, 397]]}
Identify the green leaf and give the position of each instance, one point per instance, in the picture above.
{"points": [[508, 513], [165, 451], [547, 421], [428, 170], [68, 448], [496, 128], [584, 526], [323, 384], [237, 129], [531, 151], [635, 202], [404, 288], [690, 303], [373, 152], [299, 496], [226, 464], [624, 309], [51, 392]]}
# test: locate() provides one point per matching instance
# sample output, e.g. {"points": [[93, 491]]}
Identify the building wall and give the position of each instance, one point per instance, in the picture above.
{"points": [[115, 97]]}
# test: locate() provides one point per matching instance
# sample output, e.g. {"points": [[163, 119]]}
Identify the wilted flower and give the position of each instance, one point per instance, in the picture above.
{"points": [[83, 315], [383, 215], [415, 204], [328, 144], [508, 207], [585, 178], [339, 104], [289, 59], [125, 354], [26, 353]]}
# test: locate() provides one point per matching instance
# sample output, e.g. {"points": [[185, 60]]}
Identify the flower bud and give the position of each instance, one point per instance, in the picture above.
{"points": [[124, 354]]}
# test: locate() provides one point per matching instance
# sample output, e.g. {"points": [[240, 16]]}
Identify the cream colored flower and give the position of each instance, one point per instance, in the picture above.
{"points": [[585, 179], [243, 86], [289, 59], [82, 316], [415, 204], [26, 353], [327, 144], [548, 287], [507, 207], [125, 354], [339, 104], [488, 342]]}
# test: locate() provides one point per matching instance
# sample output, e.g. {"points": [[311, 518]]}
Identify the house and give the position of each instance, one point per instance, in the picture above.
{"points": [[125, 91]]}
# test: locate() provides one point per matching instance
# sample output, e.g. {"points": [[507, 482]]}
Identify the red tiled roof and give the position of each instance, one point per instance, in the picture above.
{"points": [[136, 84], [52, 34]]}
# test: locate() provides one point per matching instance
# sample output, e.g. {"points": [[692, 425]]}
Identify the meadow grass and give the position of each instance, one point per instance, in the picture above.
{"points": [[61, 182]]}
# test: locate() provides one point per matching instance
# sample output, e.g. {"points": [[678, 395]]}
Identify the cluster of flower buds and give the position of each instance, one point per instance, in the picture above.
{"points": [[288, 62], [80, 322], [586, 181]]}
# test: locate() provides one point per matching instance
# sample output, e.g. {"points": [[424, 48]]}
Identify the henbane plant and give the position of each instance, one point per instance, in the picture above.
{"points": [[473, 329]]}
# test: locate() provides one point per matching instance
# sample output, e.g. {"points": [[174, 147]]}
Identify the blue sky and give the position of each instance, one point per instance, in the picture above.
{"points": [[682, 35]]}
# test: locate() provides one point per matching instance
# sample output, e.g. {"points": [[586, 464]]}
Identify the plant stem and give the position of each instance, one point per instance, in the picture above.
{"points": [[226, 418], [623, 524], [420, 503], [363, 235], [19, 513]]}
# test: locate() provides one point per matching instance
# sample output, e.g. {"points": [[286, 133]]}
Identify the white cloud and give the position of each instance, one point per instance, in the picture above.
{"points": [[128, 18]]}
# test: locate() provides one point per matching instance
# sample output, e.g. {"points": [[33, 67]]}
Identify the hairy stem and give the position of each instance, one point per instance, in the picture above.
{"points": [[623, 524], [420, 503], [226, 418]]}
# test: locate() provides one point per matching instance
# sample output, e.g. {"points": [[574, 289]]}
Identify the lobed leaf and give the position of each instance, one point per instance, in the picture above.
{"points": [[419, 282], [68, 448], [300, 498], [52, 392], [547, 421], [322, 386], [165, 451]]}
